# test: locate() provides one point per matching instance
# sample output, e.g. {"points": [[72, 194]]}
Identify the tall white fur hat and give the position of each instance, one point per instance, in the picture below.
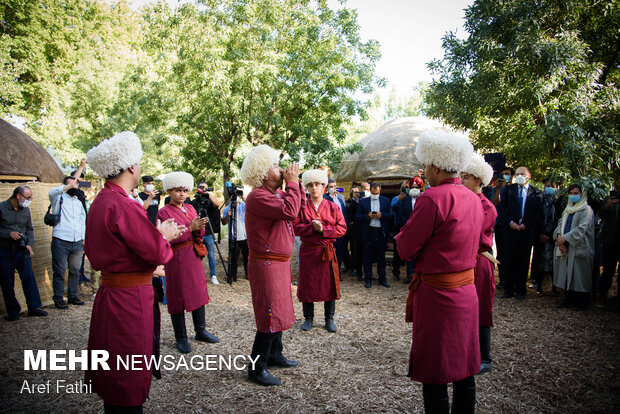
{"points": [[479, 168], [178, 179], [115, 154], [257, 164], [447, 151], [314, 176]]}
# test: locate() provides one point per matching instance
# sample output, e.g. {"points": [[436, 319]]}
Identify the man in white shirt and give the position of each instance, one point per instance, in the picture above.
{"points": [[67, 239]]}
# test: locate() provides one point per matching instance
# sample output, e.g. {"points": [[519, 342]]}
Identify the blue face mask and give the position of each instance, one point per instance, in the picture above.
{"points": [[549, 190], [574, 198], [507, 179]]}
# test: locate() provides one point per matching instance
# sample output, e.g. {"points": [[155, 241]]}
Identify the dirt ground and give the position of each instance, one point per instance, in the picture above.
{"points": [[545, 359]]}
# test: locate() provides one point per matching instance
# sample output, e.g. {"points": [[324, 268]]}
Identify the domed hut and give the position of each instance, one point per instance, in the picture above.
{"points": [[388, 156], [24, 162]]}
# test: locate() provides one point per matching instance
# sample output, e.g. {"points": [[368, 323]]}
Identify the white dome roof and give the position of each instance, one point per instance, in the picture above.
{"points": [[389, 152]]}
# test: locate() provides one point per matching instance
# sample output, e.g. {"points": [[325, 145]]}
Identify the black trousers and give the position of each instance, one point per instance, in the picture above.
{"points": [[518, 247], [241, 246], [611, 257], [374, 245], [357, 254]]}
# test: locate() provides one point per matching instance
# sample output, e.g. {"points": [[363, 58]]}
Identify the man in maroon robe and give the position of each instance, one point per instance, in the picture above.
{"points": [[319, 224], [186, 285], [442, 235], [268, 224], [474, 177], [124, 245]]}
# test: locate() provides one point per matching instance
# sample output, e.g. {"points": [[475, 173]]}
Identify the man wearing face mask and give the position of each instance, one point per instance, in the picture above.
{"points": [[365, 190], [16, 240], [375, 216], [520, 212], [151, 197], [68, 238]]}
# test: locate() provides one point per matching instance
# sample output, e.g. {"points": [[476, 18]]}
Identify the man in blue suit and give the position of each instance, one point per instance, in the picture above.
{"points": [[520, 213], [333, 196], [374, 215]]}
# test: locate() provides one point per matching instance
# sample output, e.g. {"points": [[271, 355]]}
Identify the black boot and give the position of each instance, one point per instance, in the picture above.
{"points": [[276, 359], [464, 396], [308, 308], [261, 349], [435, 398], [330, 309], [180, 334], [198, 315], [486, 364]]}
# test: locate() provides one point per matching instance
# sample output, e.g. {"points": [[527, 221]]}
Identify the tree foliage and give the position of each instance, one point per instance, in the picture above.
{"points": [[537, 80]]}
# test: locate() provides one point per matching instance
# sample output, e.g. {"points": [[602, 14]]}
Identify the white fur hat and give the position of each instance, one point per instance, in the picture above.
{"points": [[116, 154], [257, 164], [447, 151], [479, 168], [178, 179], [314, 176]]}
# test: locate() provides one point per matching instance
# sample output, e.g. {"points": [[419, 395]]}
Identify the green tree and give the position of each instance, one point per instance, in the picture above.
{"points": [[231, 74], [537, 80]]}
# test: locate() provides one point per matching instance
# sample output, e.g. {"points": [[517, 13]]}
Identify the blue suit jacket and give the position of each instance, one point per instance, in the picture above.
{"points": [[339, 200], [402, 212], [362, 218]]}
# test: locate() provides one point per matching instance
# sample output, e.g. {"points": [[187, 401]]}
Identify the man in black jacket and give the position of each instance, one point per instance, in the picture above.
{"points": [[521, 210]]}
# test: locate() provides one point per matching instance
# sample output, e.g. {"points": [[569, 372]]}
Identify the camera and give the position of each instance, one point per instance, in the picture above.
{"points": [[84, 184], [234, 190], [201, 203], [22, 243]]}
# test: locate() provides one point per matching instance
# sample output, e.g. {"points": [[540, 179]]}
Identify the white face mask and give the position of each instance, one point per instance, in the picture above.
{"points": [[331, 190], [374, 196], [149, 187], [414, 192], [366, 193], [519, 179], [24, 204]]}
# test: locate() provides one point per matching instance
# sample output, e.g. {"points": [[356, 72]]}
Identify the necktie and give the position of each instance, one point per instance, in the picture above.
{"points": [[520, 203]]}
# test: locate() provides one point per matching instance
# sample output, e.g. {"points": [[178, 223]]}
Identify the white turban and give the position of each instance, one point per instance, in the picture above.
{"points": [[479, 168], [114, 155], [178, 179], [257, 164], [314, 176], [444, 150]]}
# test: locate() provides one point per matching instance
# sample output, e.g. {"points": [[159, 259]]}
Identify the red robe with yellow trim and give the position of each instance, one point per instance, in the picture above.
{"points": [[317, 281]]}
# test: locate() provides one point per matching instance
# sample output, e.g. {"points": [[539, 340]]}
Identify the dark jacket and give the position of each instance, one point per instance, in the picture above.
{"points": [[14, 220], [363, 220], [402, 211], [511, 209]]}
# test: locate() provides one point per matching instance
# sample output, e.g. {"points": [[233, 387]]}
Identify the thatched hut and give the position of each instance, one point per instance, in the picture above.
{"points": [[23, 161], [388, 156]]}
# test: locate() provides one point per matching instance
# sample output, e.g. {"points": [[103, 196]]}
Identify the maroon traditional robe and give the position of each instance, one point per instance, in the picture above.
{"points": [[317, 281], [121, 239], [269, 228], [443, 235], [186, 282], [485, 276]]}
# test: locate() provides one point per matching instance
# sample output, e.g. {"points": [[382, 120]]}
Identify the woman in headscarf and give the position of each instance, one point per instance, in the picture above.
{"points": [[186, 285], [574, 252]]}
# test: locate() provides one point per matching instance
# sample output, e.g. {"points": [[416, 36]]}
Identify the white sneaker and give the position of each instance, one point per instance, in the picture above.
{"points": [[214, 280]]}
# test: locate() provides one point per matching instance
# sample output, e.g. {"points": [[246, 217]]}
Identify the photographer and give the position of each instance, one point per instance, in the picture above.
{"points": [[16, 239], [68, 238], [206, 205], [241, 242], [150, 197]]}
